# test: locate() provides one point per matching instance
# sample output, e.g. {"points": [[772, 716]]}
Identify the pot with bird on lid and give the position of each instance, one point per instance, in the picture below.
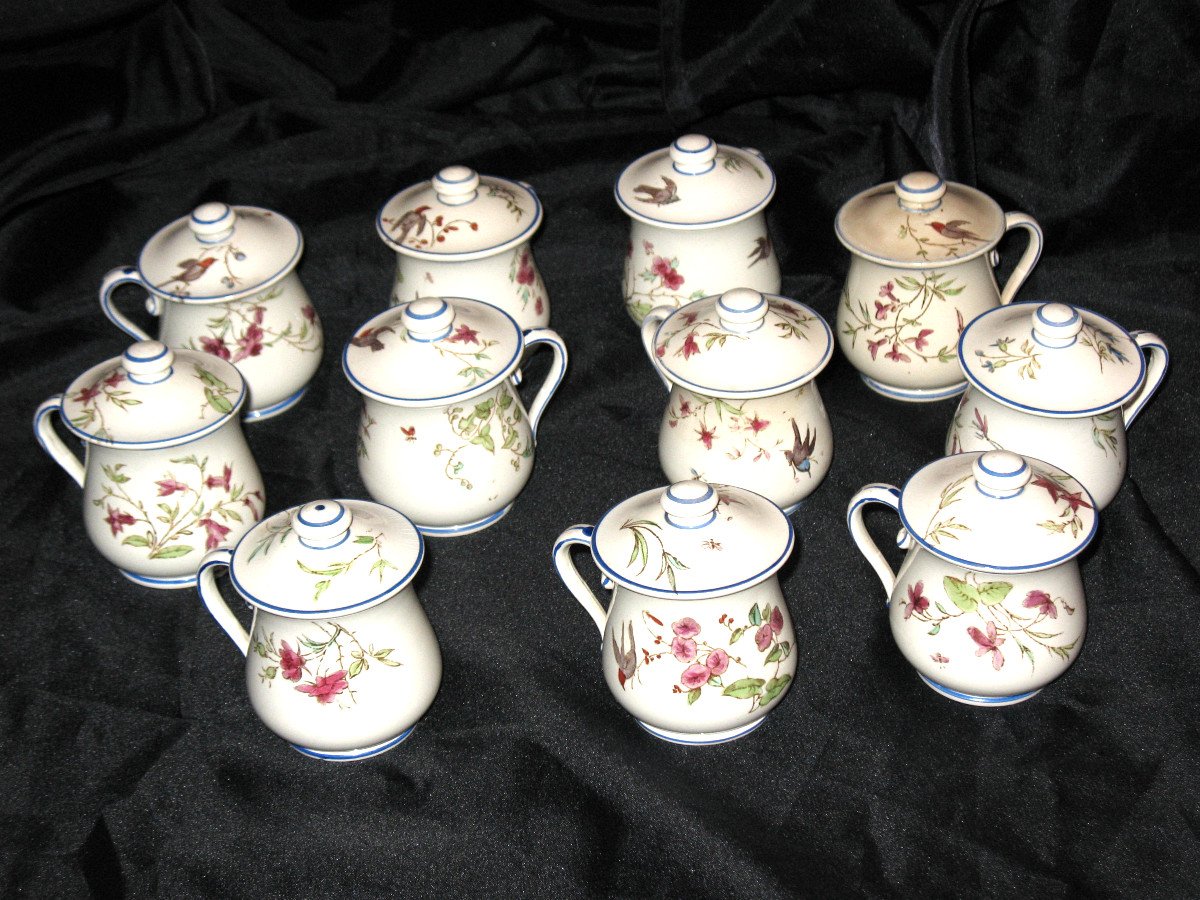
{"points": [[696, 642], [223, 281], [922, 253], [698, 224]]}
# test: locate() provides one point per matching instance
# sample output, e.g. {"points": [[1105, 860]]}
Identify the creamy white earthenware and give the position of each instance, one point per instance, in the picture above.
{"points": [[444, 436], [922, 253], [988, 605], [341, 660], [743, 406], [698, 224], [696, 643], [223, 281], [166, 473], [462, 234], [1058, 383]]}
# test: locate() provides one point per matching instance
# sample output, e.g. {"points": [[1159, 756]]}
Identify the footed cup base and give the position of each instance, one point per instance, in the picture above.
{"points": [[914, 395], [974, 700], [355, 755], [169, 584], [709, 737], [267, 412], [439, 531]]}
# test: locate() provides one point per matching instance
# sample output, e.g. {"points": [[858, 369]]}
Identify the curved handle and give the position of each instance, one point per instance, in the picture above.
{"points": [[649, 329], [1156, 370], [558, 368], [43, 429], [206, 583], [578, 534], [872, 493], [114, 279], [1028, 259]]}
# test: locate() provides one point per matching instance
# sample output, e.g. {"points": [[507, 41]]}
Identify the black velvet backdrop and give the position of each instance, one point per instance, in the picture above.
{"points": [[130, 761]]}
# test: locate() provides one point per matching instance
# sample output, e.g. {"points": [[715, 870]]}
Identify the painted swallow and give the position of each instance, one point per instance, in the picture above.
{"points": [[626, 658], [190, 270], [414, 218], [800, 456], [761, 251], [659, 196], [954, 231]]}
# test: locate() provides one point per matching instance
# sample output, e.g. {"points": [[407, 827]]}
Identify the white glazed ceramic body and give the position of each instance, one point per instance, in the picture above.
{"points": [[362, 680], [274, 336], [670, 266], [509, 279], [154, 513], [690, 671]]}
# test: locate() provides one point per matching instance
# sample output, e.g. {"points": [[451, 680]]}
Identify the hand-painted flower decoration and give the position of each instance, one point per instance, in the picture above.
{"points": [[706, 436], [222, 481], [1042, 602], [215, 346], [694, 676], [525, 270], [249, 344], [291, 662], [683, 649], [686, 627], [717, 662], [988, 643], [670, 276], [690, 348], [917, 601], [327, 687], [464, 334], [216, 533], [117, 520], [169, 486]]}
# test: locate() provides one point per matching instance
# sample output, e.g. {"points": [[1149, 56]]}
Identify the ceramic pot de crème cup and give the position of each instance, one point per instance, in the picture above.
{"points": [[167, 473], [698, 224], [921, 258], [223, 281]]}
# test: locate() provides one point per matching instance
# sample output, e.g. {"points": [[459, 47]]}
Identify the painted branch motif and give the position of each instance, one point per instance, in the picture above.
{"points": [[896, 326], [1103, 343], [364, 545], [524, 277], [106, 393], [322, 665], [945, 528], [788, 322], [464, 335], [227, 255], [658, 284], [238, 332], [489, 424], [958, 237], [1058, 487], [999, 354]]}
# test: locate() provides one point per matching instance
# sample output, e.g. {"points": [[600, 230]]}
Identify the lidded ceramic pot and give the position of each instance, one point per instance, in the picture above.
{"points": [[223, 281], [1056, 382], [743, 406], [463, 234], [922, 251], [444, 437], [988, 605], [697, 642], [341, 660], [698, 224], [166, 473]]}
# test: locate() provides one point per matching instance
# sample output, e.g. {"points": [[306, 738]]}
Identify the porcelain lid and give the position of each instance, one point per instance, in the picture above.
{"points": [[220, 252], [459, 214], [432, 351], [998, 511], [326, 558], [152, 396], [1051, 359], [692, 540], [695, 183], [920, 221], [743, 344]]}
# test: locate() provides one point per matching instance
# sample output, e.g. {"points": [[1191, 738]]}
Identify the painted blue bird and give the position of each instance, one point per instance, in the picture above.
{"points": [[800, 456]]}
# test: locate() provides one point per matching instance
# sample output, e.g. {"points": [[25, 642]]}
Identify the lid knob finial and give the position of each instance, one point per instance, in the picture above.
{"points": [[690, 504], [693, 154], [322, 524], [741, 310], [148, 362], [1055, 325], [1001, 474], [456, 185], [428, 319], [920, 191], [212, 223]]}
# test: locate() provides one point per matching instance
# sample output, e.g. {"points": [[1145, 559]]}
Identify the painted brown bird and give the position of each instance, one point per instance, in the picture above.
{"points": [[190, 270], [414, 218], [626, 658], [659, 196], [800, 456], [954, 230], [761, 251]]}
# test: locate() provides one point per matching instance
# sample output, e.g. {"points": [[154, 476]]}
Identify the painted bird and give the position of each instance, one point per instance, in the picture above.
{"points": [[414, 218], [626, 659], [190, 270], [800, 456], [954, 231], [659, 196], [761, 251]]}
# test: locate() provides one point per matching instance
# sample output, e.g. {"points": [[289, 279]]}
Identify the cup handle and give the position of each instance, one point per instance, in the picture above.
{"points": [[578, 534], [206, 583], [114, 279], [1028, 259], [43, 430], [650, 324], [1156, 370], [558, 368], [873, 493]]}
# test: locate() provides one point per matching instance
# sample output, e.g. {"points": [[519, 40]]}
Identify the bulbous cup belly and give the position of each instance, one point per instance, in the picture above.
{"points": [[991, 636], [670, 267], [1093, 449], [779, 446], [696, 667]]}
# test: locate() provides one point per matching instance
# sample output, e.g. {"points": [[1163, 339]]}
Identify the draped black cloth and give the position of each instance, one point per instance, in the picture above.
{"points": [[130, 760]]}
